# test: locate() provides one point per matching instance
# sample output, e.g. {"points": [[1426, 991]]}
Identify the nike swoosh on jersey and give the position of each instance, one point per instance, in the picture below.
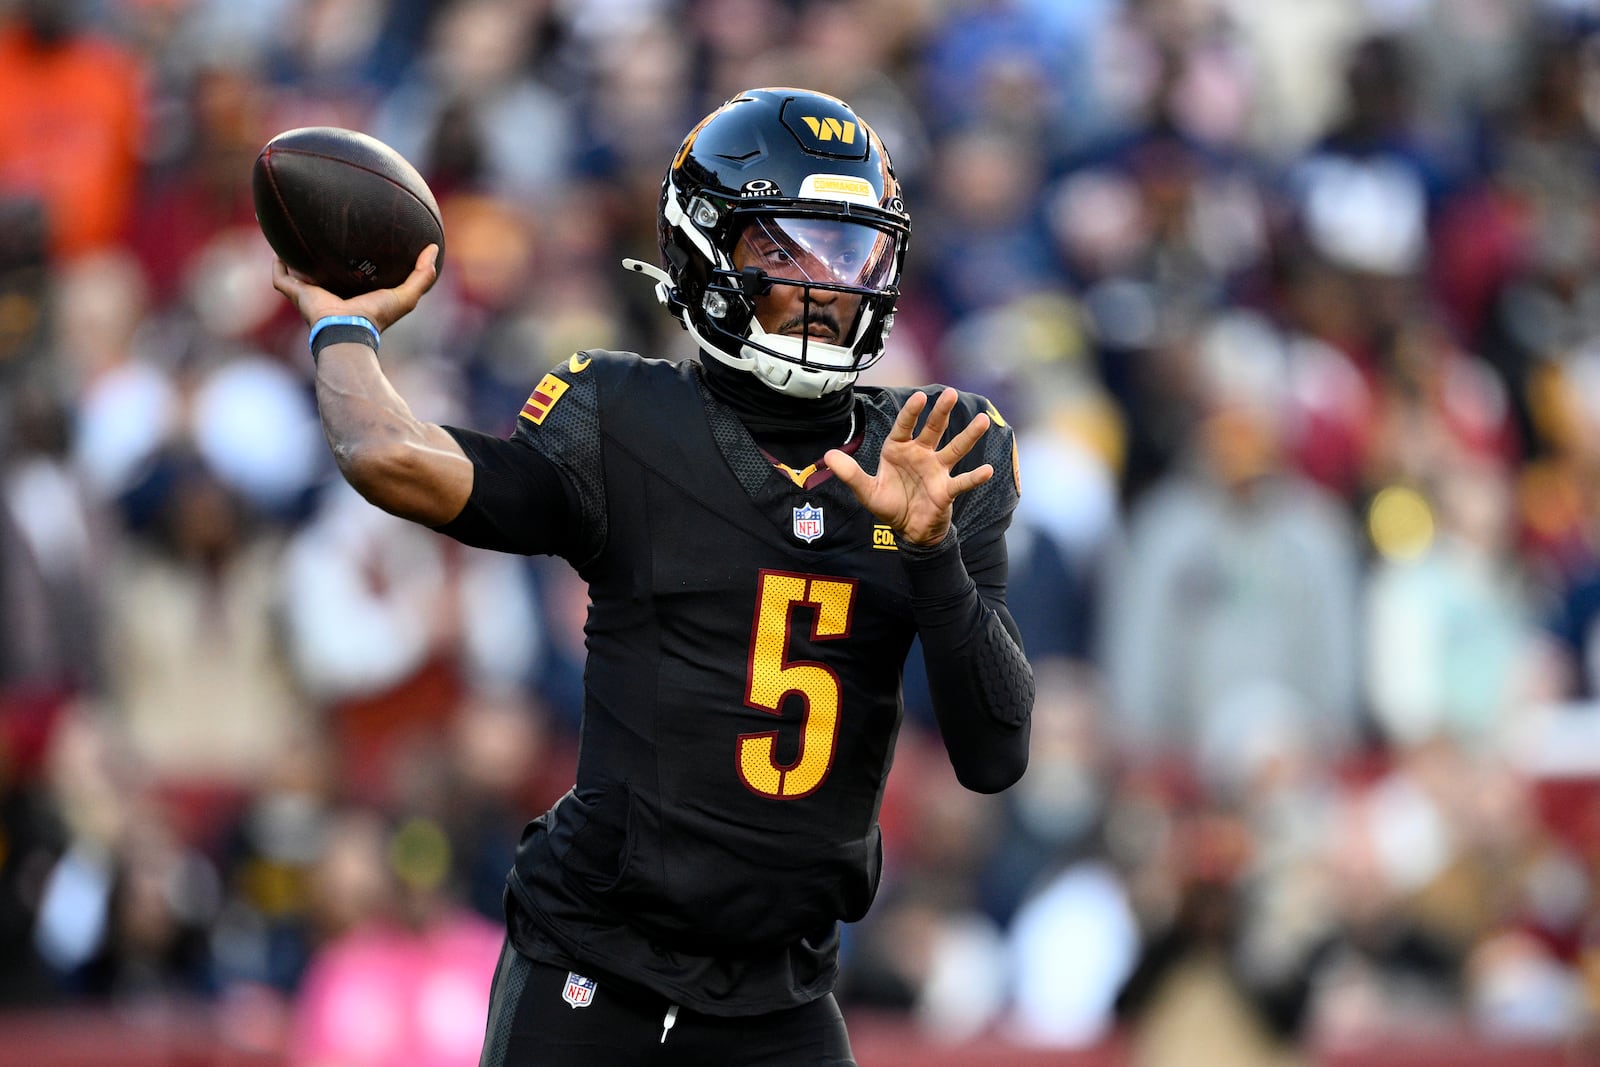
{"points": [[577, 366]]}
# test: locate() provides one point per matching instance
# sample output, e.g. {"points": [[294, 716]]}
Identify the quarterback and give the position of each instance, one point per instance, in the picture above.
{"points": [[763, 538]]}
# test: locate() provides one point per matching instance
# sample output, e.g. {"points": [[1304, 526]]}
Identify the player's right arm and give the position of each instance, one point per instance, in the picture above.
{"points": [[403, 465]]}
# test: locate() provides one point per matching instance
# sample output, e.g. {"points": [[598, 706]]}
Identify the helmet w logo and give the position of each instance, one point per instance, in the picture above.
{"points": [[829, 128]]}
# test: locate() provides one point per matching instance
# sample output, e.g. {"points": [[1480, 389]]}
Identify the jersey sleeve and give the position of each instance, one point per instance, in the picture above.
{"points": [[561, 421], [985, 513], [520, 501], [543, 489], [978, 673]]}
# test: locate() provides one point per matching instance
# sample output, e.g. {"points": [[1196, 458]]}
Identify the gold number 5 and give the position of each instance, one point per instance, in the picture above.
{"points": [[772, 678]]}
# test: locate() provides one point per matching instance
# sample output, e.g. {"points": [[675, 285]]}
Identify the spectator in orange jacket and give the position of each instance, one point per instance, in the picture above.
{"points": [[70, 125]]}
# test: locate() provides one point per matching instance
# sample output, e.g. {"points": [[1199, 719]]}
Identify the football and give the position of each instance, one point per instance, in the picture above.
{"points": [[344, 209]]}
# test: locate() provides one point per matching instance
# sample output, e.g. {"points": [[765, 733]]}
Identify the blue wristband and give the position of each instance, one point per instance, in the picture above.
{"points": [[370, 338]]}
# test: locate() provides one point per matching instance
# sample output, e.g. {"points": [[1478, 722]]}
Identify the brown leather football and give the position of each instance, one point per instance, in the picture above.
{"points": [[344, 209]]}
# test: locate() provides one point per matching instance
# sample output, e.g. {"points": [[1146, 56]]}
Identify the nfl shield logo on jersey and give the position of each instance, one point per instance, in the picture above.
{"points": [[808, 523], [580, 990]]}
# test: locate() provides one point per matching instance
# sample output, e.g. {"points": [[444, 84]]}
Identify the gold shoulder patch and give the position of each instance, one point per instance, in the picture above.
{"points": [[544, 397]]}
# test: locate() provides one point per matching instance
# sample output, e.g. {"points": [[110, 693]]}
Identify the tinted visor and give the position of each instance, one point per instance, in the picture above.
{"points": [[828, 251]]}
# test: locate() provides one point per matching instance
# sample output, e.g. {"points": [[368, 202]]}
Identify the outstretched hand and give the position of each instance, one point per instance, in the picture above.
{"points": [[384, 307], [913, 491]]}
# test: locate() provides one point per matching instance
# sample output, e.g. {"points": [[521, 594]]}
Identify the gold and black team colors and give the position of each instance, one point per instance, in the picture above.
{"points": [[747, 629], [750, 611]]}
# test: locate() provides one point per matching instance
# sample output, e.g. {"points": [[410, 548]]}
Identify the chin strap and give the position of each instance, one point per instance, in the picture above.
{"points": [[651, 269], [664, 291], [778, 371], [662, 279]]}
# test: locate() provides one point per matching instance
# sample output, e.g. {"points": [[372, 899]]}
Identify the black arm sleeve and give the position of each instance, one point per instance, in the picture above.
{"points": [[978, 677], [521, 501]]}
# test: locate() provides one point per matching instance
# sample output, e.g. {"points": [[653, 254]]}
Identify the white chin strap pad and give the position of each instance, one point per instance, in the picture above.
{"points": [[791, 378]]}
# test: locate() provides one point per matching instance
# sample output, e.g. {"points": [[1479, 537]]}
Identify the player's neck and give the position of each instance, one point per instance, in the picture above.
{"points": [[772, 417]]}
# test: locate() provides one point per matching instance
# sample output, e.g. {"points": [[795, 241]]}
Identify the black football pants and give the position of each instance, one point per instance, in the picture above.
{"points": [[532, 1023]]}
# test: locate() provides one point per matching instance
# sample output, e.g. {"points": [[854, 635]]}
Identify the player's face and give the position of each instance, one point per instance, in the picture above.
{"points": [[813, 251]]}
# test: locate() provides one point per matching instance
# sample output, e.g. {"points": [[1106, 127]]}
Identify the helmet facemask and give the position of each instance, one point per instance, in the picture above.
{"points": [[825, 287]]}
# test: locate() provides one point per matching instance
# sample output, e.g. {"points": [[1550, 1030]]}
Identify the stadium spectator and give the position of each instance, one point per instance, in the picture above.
{"points": [[72, 124], [1392, 200]]}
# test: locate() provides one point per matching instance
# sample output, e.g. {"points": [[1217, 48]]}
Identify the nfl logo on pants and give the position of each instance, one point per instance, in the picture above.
{"points": [[579, 991]]}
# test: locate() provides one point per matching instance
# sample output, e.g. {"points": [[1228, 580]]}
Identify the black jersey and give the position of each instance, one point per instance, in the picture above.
{"points": [[745, 641]]}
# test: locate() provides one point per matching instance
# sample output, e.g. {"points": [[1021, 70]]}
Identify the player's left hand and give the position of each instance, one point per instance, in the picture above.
{"points": [[914, 491]]}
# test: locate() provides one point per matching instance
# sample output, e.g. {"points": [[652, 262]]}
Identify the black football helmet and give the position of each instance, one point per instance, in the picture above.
{"points": [[782, 187]]}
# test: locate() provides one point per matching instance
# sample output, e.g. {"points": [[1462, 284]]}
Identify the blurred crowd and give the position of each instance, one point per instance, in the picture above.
{"points": [[1295, 308]]}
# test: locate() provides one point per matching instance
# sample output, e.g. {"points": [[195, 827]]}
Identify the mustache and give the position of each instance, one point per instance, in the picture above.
{"points": [[805, 322]]}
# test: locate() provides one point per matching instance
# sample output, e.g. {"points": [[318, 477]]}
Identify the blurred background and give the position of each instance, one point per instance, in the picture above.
{"points": [[1295, 308]]}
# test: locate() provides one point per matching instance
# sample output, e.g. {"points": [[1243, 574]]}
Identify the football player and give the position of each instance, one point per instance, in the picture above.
{"points": [[763, 538]]}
